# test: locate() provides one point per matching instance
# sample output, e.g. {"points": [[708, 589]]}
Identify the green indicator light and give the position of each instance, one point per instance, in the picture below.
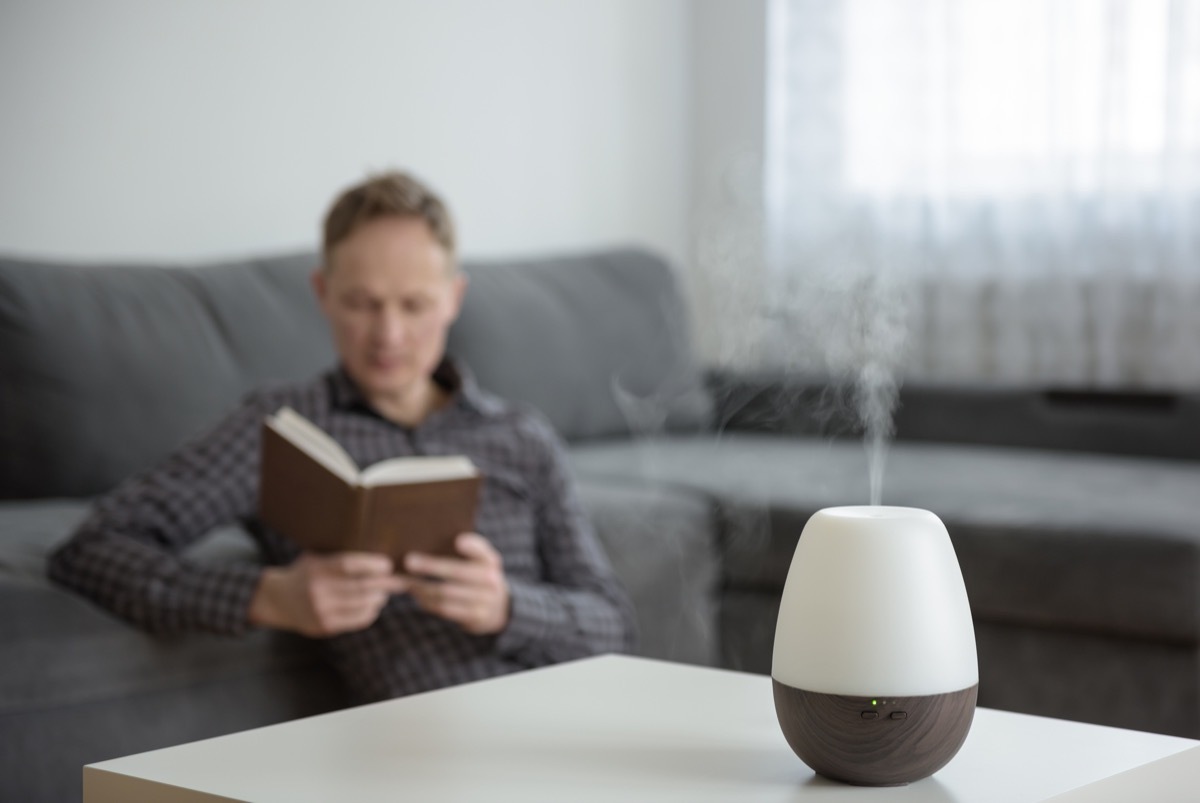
{"points": [[874, 702]]}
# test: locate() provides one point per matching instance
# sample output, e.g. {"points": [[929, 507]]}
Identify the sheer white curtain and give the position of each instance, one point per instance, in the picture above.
{"points": [[1009, 187]]}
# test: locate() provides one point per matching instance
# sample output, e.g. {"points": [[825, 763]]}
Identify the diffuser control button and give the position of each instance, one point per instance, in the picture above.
{"points": [[870, 715], [899, 715]]}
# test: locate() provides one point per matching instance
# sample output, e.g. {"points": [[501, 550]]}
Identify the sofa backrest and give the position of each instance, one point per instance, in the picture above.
{"points": [[104, 369], [599, 343], [1131, 422]]}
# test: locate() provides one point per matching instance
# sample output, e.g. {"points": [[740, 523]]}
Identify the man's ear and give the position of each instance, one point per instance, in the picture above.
{"points": [[319, 286], [460, 292]]}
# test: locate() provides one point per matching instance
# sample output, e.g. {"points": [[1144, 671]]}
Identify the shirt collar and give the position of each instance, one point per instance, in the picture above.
{"points": [[454, 377]]}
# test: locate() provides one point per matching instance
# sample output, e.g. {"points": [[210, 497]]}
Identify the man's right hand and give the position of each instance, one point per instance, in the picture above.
{"points": [[324, 595]]}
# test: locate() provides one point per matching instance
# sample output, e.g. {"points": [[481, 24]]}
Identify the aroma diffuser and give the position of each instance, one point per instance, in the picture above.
{"points": [[874, 672]]}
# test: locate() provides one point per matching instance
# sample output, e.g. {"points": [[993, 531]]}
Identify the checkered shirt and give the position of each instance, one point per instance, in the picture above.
{"points": [[566, 603]]}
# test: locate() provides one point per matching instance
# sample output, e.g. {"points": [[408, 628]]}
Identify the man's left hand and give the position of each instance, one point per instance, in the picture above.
{"points": [[470, 591]]}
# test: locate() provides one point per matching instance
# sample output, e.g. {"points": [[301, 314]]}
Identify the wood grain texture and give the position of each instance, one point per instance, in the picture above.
{"points": [[830, 735]]}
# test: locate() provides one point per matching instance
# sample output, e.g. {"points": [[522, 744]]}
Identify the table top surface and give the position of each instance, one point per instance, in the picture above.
{"points": [[607, 728]]}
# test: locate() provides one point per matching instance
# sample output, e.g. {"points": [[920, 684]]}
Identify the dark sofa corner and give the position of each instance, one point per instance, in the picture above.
{"points": [[1073, 516]]}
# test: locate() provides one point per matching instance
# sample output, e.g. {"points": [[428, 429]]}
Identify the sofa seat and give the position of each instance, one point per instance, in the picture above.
{"points": [[91, 654], [663, 546], [72, 670], [63, 650], [1082, 542]]}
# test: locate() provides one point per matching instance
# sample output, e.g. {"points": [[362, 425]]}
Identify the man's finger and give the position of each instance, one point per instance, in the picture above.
{"points": [[451, 569], [352, 564], [350, 588], [352, 609], [446, 606], [475, 547], [456, 611], [360, 564], [436, 592]]}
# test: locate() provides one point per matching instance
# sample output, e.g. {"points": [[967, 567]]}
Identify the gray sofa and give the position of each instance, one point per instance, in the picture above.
{"points": [[1073, 515]]}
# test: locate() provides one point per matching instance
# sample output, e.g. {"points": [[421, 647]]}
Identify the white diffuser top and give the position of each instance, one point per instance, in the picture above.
{"points": [[874, 604]]}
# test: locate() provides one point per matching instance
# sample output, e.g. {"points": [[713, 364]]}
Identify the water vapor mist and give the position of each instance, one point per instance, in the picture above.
{"points": [[851, 324], [840, 313]]}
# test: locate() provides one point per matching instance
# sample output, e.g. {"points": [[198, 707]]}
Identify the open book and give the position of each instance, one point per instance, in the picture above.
{"points": [[311, 491]]}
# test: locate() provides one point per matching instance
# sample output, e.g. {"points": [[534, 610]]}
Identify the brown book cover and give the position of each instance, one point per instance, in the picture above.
{"points": [[325, 504]]}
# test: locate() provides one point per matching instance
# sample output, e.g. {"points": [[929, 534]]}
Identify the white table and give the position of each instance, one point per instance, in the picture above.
{"points": [[610, 728]]}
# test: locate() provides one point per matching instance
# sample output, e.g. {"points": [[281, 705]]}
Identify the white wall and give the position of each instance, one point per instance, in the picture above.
{"points": [[196, 128], [728, 121], [728, 113]]}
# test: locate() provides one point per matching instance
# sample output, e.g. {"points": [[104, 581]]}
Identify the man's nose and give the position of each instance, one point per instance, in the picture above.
{"points": [[391, 327]]}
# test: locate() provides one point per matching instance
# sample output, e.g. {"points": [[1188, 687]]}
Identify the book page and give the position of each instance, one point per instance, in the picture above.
{"points": [[418, 469], [315, 442]]}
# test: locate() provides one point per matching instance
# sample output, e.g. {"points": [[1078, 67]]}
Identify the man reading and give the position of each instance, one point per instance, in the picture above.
{"points": [[530, 587]]}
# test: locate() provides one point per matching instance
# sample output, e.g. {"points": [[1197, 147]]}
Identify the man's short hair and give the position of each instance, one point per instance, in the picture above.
{"points": [[390, 194]]}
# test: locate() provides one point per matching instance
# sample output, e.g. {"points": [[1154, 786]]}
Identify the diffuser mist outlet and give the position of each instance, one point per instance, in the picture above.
{"points": [[874, 672]]}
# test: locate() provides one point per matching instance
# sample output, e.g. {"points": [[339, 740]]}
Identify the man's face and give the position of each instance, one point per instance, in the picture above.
{"points": [[390, 294]]}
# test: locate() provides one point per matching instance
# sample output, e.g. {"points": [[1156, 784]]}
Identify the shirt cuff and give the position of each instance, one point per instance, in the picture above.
{"points": [[530, 618], [216, 598]]}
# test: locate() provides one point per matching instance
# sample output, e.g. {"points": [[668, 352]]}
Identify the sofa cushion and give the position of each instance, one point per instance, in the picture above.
{"points": [[598, 343], [78, 686], [1085, 542], [60, 649], [108, 368], [662, 543]]}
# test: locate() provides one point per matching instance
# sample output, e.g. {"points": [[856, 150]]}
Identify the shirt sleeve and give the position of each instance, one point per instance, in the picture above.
{"points": [[126, 557], [579, 608]]}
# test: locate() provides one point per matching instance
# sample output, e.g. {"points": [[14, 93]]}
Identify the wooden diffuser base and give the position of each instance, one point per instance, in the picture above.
{"points": [[874, 741]]}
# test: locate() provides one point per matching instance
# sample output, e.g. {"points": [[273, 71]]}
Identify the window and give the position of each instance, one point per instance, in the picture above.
{"points": [[1003, 97]]}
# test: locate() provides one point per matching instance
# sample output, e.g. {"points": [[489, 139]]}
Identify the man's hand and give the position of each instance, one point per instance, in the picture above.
{"points": [[324, 595], [470, 591]]}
